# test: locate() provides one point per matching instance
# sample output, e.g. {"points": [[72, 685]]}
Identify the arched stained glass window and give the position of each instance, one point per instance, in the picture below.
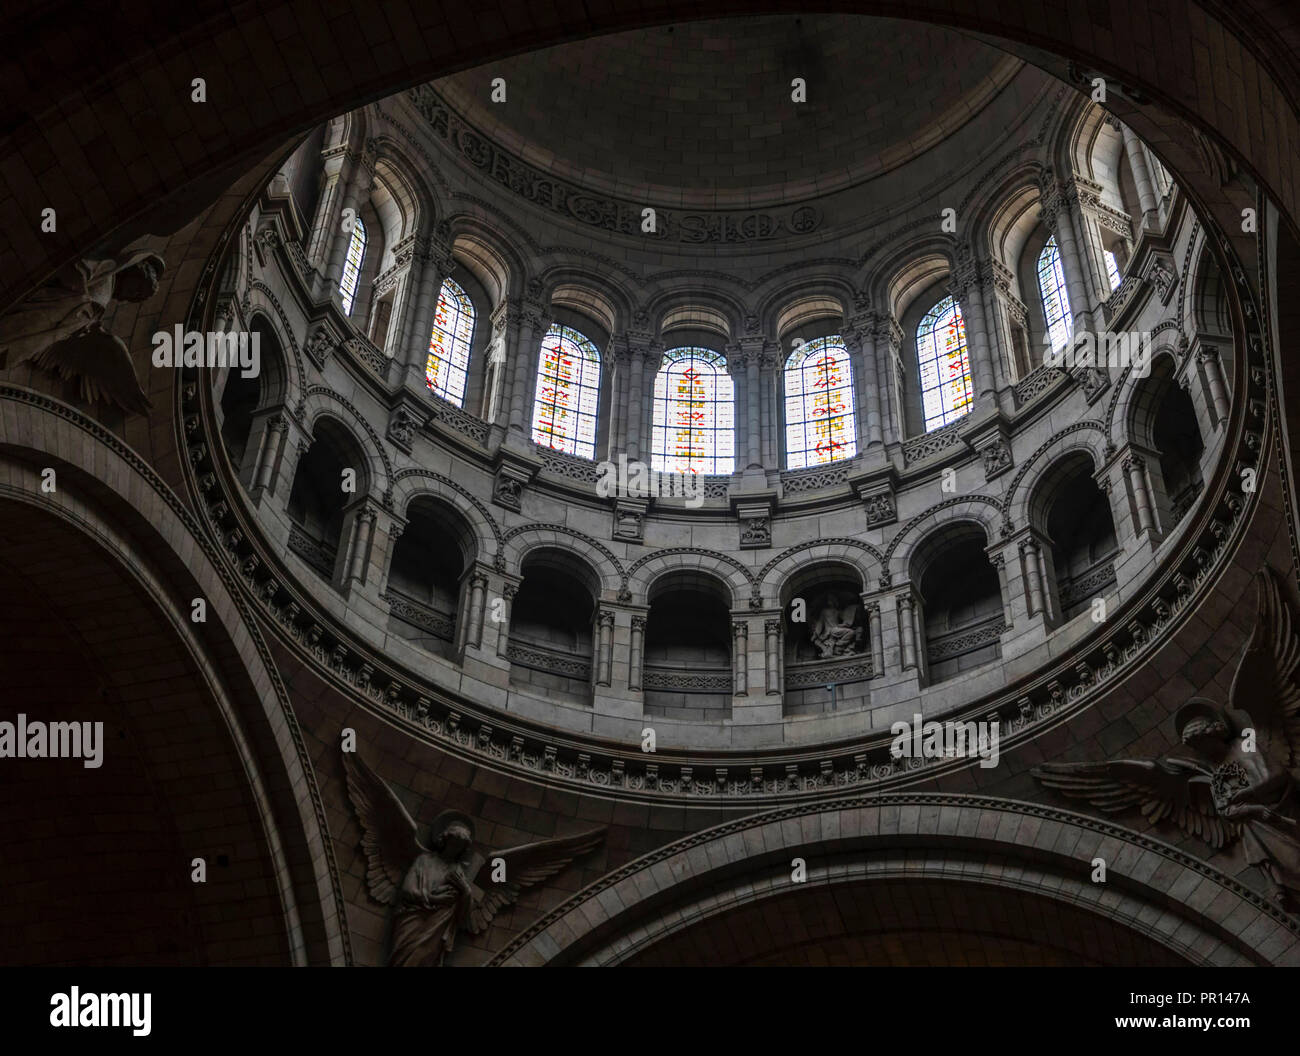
{"points": [[449, 345], [1112, 270], [352, 265], [819, 422], [568, 392], [694, 414], [944, 364], [1056, 301]]}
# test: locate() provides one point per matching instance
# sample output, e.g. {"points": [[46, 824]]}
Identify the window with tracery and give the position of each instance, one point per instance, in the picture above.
{"points": [[568, 393], [694, 414], [447, 367], [1056, 301], [944, 364], [819, 413], [352, 265]]}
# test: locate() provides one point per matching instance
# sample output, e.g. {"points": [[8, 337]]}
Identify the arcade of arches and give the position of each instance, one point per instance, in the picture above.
{"points": [[631, 444]]}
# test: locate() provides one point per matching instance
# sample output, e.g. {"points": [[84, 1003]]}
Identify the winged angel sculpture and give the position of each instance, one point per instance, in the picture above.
{"points": [[1235, 775], [59, 327], [433, 889]]}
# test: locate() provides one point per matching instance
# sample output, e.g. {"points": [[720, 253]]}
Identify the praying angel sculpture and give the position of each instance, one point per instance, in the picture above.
{"points": [[1235, 775], [434, 890]]}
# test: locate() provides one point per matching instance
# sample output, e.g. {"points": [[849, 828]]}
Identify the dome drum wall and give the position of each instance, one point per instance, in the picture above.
{"points": [[874, 511]]}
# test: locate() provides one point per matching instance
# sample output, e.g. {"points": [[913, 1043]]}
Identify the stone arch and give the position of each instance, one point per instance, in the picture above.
{"points": [[643, 573], [1121, 412], [770, 581], [322, 401], [906, 270], [489, 254], [1086, 436], [411, 484], [977, 509], [1011, 846], [261, 299], [153, 540], [594, 294], [797, 301], [687, 306], [520, 541]]}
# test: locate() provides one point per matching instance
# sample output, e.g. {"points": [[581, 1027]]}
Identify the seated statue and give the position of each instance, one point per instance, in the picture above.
{"points": [[834, 633]]}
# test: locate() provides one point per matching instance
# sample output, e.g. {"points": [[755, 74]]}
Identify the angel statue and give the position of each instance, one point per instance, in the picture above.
{"points": [[59, 327], [1235, 774], [433, 889]]}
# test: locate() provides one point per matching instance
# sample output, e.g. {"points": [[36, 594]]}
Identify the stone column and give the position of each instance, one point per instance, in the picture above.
{"points": [[604, 647], [907, 629], [772, 637], [1033, 573], [1137, 159], [277, 427], [435, 263], [618, 359], [337, 164], [965, 287], [1057, 219], [1212, 372], [356, 191], [478, 582], [636, 653], [644, 356], [860, 341], [508, 592], [1135, 470], [770, 372], [528, 335], [888, 345], [871, 609], [362, 531], [739, 658], [999, 562], [748, 354]]}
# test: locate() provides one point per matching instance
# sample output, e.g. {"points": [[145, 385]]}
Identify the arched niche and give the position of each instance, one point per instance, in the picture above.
{"points": [[687, 673], [551, 644], [1075, 516], [961, 612], [1164, 426], [246, 402], [826, 639], [318, 503], [426, 577]]}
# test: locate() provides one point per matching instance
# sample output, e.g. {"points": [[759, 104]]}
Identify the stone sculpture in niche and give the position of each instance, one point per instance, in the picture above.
{"points": [[59, 327], [433, 889], [1235, 775], [834, 632]]}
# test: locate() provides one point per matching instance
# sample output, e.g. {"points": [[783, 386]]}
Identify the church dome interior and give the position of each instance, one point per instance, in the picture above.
{"points": [[783, 475]]}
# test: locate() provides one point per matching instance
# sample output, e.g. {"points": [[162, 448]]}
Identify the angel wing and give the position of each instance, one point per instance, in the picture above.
{"points": [[528, 865], [1163, 789], [102, 364], [388, 833], [1264, 686]]}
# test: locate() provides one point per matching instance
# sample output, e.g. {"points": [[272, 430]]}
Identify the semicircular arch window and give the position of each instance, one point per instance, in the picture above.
{"points": [[1056, 299], [447, 367], [565, 410], [356, 256], [819, 408], [944, 364], [694, 427]]}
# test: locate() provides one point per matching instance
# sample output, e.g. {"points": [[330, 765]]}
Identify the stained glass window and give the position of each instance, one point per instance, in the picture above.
{"points": [[352, 265], [944, 363], [568, 391], [1056, 301], [449, 345], [819, 423], [694, 414], [1112, 270]]}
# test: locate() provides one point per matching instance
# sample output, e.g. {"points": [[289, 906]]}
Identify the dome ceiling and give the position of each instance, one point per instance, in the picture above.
{"points": [[700, 114]]}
